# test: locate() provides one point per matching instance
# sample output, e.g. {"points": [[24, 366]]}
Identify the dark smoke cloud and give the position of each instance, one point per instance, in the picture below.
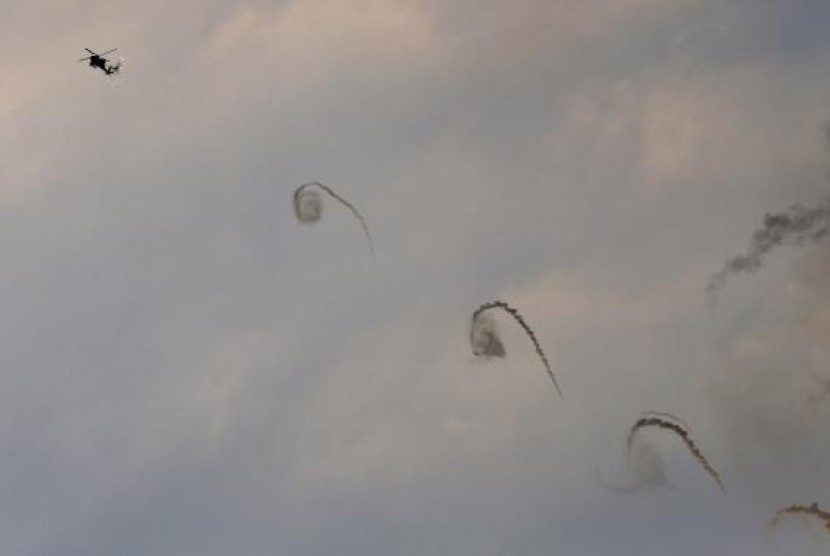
{"points": [[308, 207], [796, 226]]}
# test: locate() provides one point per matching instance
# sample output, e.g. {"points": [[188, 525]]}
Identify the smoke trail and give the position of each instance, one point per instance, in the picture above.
{"points": [[812, 510], [645, 463], [667, 416], [797, 226], [485, 341], [667, 421], [308, 207]]}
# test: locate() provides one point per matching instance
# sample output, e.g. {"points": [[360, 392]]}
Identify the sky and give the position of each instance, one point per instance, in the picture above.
{"points": [[186, 370]]}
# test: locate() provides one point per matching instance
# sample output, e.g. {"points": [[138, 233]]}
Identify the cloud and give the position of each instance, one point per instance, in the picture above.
{"points": [[292, 49], [186, 371], [767, 386]]}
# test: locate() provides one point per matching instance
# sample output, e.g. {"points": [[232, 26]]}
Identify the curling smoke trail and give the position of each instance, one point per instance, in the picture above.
{"points": [[308, 207], [667, 421], [485, 341], [667, 416], [797, 226], [812, 510], [646, 464]]}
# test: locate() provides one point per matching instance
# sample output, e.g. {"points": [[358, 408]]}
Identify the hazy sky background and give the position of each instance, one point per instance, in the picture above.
{"points": [[187, 371]]}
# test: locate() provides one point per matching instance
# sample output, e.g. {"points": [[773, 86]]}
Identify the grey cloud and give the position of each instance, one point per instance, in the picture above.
{"points": [[181, 374]]}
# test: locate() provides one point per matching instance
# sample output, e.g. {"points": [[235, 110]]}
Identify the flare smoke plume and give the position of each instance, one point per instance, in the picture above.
{"points": [[648, 470], [668, 422], [796, 226], [812, 510], [484, 337], [485, 341], [646, 464], [308, 207]]}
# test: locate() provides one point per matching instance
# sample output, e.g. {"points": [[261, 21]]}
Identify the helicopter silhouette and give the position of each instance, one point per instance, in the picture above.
{"points": [[98, 61]]}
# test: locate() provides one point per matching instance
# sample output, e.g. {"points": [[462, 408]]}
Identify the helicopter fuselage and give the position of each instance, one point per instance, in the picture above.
{"points": [[98, 62]]}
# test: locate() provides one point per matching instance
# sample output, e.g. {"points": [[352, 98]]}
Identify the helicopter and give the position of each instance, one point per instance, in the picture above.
{"points": [[98, 61]]}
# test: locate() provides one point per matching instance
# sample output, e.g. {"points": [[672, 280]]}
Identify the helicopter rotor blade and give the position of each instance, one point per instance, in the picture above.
{"points": [[90, 51], [108, 52], [85, 59]]}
